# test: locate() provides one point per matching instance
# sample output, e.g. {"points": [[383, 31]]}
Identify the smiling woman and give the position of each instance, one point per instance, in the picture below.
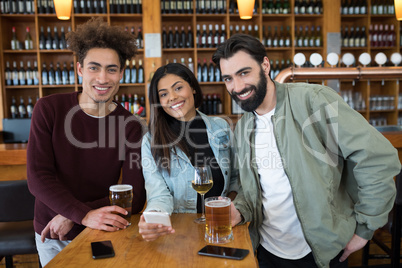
{"points": [[181, 138]]}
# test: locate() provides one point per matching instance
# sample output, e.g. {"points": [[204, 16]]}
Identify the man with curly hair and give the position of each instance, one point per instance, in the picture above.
{"points": [[81, 142]]}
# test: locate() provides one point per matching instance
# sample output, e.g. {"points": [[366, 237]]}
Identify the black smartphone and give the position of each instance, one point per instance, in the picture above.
{"points": [[224, 252], [102, 249]]}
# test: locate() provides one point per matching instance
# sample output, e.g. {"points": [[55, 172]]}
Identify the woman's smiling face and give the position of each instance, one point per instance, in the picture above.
{"points": [[176, 97]]}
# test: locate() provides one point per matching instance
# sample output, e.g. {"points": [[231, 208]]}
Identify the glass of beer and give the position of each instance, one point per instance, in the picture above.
{"points": [[218, 227], [122, 195]]}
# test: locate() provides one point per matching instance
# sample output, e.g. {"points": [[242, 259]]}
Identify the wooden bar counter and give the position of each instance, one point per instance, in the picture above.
{"points": [[175, 250]]}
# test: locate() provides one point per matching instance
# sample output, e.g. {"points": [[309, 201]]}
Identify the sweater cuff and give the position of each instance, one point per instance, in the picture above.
{"points": [[364, 232]]}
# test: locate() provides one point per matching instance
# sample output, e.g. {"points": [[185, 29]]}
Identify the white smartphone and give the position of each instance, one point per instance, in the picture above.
{"points": [[157, 217]]}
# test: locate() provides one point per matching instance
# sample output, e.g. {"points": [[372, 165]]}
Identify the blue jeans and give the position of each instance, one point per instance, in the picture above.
{"points": [[267, 259]]}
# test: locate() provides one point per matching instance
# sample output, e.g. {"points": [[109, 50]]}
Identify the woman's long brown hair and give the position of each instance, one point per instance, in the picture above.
{"points": [[163, 137]]}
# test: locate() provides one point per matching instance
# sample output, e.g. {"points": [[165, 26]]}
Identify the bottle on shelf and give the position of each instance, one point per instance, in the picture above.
{"points": [[29, 74], [13, 108], [190, 64], [140, 72], [199, 70], [14, 40], [170, 38], [205, 71], [42, 39], [189, 38], [71, 75], [51, 75], [62, 42], [49, 39], [57, 75], [45, 75], [28, 39], [15, 74], [176, 38], [8, 74], [140, 41], [30, 107], [22, 110], [136, 104], [35, 74], [127, 73], [21, 74], [133, 72], [55, 40], [211, 71], [64, 74]]}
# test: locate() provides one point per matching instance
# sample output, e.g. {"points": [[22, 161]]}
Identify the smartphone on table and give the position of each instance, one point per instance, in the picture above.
{"points": [[102, 249], [224, 252]]}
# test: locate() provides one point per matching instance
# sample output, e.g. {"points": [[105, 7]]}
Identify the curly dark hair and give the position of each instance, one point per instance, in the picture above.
{"points": [[96, 33]]}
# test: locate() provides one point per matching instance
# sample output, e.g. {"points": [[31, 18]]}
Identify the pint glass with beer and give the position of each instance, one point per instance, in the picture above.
{"points": [[218, 228], [122, 195]]}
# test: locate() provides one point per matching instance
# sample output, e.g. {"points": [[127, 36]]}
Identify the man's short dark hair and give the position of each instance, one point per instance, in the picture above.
{"points": [[96, 33], [240, 42]]}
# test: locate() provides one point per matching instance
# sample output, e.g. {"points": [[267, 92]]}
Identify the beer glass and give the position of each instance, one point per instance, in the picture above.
{"points": [[202, 183], [122, 195], [218, 227]]}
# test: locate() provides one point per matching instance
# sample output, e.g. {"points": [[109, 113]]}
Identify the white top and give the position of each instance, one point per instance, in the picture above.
{"points": [[281, 232]]}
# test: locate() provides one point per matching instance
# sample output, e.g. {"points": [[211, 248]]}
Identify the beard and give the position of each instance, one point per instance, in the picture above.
{"points": [[252, 103]]}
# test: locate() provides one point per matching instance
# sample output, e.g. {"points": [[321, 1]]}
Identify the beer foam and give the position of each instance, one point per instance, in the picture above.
{"points": [[217, 203], [120, 187]]}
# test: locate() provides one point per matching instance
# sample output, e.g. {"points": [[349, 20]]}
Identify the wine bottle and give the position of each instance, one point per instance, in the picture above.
{"points": [[140, 40], [51, 75], [217, 74], [182, 41], [210, 109], [62, 42], [22, 110], [204, 36], [55, 40], [13, 108], [45, 75], [190, 64], [176, 37], [199, 70], [64, 74], [205, 71], [136, 104], [28, 39], [49, 39], [127, 73], [211, 71], [8, 74], [71, 75], [14, 40], [140, 72], [35, 74], [29, 107], [269, 37], [15, 74], [164, 37], [21, 74], [189, 38], [29, 74], [133, 73], [275, 38], [198, 36], [112, 6], [318, 37], [57, 75], [42, 39], [170, 38], [76, 6]]}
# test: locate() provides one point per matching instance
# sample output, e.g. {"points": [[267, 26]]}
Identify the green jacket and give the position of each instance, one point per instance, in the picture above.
{"points": [[339, 167]]}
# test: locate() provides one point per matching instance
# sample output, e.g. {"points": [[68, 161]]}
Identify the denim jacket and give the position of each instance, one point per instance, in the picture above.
{"points": [[173, 193]]}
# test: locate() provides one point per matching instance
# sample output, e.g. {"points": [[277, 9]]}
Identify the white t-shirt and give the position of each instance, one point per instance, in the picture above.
{"points": [[281, 232]]}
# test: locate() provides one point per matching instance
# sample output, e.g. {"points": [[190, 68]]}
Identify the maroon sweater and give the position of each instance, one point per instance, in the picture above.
{"points": [[73, 158]]}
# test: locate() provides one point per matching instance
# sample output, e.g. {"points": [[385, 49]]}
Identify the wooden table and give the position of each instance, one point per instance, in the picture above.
{"points": [[175, 250]]}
